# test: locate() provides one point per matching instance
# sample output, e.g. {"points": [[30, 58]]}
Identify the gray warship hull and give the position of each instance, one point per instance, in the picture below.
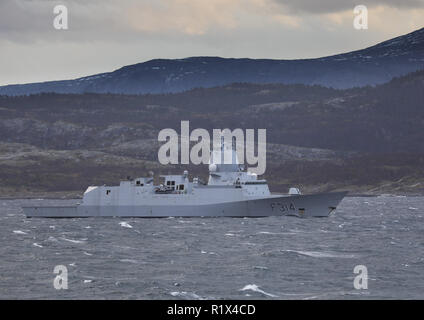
{"points": [[314, 205], [230, 192]]}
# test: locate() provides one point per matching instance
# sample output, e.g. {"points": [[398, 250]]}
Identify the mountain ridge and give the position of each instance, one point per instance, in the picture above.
{"points": [[370, 66]]}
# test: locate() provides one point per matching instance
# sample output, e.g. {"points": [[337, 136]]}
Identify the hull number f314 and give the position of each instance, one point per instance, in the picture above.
{"points": [[283, 207]]}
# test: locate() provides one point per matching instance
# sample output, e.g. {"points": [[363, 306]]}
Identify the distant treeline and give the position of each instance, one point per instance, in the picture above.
{"points": [[384, 118]]}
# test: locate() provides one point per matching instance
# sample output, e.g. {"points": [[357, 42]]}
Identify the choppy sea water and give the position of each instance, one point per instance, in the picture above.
{"points": [[217, 258]]}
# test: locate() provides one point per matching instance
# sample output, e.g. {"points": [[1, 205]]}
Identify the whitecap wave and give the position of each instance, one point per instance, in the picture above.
{"points": [[260, 268], [248, 243], [125, 224], [205, 252], [128, 260], [51, 238], [273, 233], [74, 241], [255, 288], [19, 232], [322, 254]]}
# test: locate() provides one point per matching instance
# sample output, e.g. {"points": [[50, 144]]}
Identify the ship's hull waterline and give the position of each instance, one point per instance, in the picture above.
{"points": [[315, 205]]}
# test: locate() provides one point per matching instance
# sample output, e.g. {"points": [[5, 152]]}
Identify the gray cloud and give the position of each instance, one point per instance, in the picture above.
{"points": [[106, 34], [126, 20], [32, 20], [330, 6]]}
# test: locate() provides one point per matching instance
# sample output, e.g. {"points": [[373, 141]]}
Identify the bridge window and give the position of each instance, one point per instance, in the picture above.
{"points": [[107, 192], [181, 187]]}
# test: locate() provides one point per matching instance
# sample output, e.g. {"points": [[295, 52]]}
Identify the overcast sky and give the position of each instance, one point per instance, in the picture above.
{"points": [[104, 35]]}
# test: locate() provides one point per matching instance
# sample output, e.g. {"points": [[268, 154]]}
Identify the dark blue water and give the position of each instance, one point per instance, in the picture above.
{"points": [[217, 258]]}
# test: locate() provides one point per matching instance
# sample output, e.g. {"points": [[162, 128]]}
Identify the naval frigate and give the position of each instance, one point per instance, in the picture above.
{"points": [[230, 192]]}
